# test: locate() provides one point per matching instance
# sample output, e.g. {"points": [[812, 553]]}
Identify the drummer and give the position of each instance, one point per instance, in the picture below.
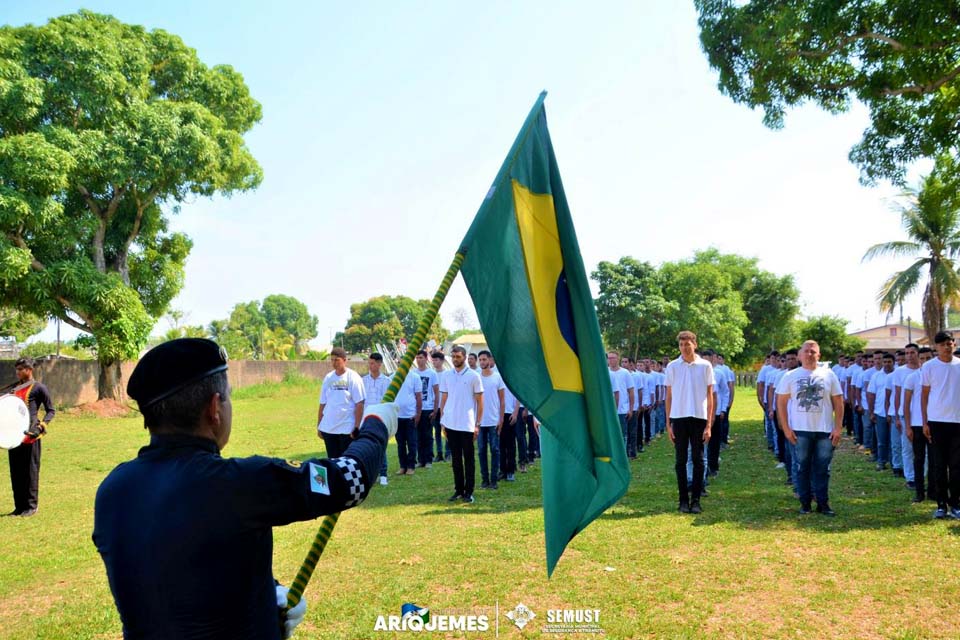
{"points": [[25, 459]]}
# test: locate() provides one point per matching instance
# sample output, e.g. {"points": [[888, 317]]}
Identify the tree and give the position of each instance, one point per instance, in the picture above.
{"points": [[898, 57], [635, 317], [290, 315], [830, 332], [931, 217], [247, 322], [278, 344], [20, 325], [104, 128], [386, 319], [463, 318], [708, 305], [771, 303], [69, 349]]}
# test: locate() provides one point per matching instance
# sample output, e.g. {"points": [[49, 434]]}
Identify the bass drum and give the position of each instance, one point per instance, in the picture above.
{"points": [[14, 420]]}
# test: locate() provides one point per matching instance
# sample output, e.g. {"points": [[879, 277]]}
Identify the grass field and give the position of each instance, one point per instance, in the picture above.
{"points": [[748, 567]]}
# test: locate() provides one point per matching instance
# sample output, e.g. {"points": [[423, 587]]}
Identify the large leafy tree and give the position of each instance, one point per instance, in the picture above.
{"points": [[633, 314], [898, 57], [931, 219], [386, 319], [771, 302], [830, 332], [106, 127], [20, 324], [290, 315]]}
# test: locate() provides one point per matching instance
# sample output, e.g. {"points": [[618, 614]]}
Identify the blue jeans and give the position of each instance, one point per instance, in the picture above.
{"points": [[625, 429], [632, 436], [706, 467], [814, 453], [406, 443], [442, 443], [857, 427], [896, 451], [882, 437], [770, 430], [869, 433], [489, 439]]}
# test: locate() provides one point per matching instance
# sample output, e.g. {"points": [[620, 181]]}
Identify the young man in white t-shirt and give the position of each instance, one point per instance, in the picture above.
{"points": [[810, 411], [429, 389], [878, 401], [443, 447], [913, 426], [461, 409], [341, 405], [940, 407], [409, 408], [375, 385], [623, 395], [690, 412], [493, 409]]}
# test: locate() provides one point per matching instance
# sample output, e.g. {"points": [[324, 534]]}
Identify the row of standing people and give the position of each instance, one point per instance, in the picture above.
{"points": [[452, 415]]}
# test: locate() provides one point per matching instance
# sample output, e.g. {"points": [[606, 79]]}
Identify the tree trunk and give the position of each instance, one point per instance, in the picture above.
{"points": [[932, 312], [108, 384]]}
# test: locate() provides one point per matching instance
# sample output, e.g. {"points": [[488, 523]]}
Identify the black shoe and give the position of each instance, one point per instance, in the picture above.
{"points": [[911, 484], [454, 497], [695, 507], [917, 499], [15, 512], [713, 474], [825, 509], [485, 484], [27, 513], [438, 459], [704, 493], [685, 508], [805, 509], [881, 467], [493, 485], [898, 473], [468, 499]]}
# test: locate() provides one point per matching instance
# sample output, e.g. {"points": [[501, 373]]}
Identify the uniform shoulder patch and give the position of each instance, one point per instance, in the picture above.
{"points": [[296, 464], [318, 479]]}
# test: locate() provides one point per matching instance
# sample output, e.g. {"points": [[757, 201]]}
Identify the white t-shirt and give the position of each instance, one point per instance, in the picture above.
{"points": [[621, 380], [509, 401], [878, 387], [428, 380], [810, 407], [491, 399], [339, 395], [460, 410], [723, 391], [851, 374], [896, 379], [374, 388], [943, 378], [662, 384], [688, 382], [407, 396], [650, 382], [914, 384]]}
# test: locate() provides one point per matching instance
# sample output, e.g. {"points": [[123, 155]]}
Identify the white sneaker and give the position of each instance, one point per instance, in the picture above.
{"points": [[383, 481], [780, 465]]}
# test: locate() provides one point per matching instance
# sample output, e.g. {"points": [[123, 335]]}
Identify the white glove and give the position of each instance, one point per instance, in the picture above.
{"points": [[387, 412], [294, 616]]}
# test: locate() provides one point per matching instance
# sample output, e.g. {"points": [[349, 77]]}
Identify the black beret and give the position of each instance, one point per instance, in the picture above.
{"points": [[172, 366]]}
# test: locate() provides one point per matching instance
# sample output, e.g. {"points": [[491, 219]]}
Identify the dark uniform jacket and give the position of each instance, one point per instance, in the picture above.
{"points": [[186, 536]]}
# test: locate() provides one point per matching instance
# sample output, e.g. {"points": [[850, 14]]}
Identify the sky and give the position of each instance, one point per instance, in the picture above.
{"points": [[384, 124]]}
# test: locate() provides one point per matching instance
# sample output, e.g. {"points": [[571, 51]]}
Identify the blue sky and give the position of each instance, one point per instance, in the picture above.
{"points": [[385, 122]]}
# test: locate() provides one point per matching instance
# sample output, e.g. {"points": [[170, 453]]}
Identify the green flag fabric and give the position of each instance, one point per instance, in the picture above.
{"points": [[524, 271]]}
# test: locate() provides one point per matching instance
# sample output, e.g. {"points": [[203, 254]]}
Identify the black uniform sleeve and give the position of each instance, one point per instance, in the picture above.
{"points": [[43, 399], [276, 492]]}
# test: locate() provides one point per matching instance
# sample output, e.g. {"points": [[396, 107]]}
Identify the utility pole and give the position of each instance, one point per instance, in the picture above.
{"points": [[909, 330]]}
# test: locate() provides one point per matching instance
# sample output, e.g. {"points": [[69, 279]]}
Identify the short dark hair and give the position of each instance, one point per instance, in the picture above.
{"points": [[942, 336], [791, 352], [472, 353], [422, 352], [774, 353], [26, 363], [376, 356], [458, 349], [926, 350], [181, 411], [338, 352], [437, 354], [709, 352], [485, 353], [901, 352], [911, 346], [888, 356]]}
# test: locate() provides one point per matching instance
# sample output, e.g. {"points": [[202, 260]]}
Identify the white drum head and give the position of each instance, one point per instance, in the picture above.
{"points": [[14, 420]]}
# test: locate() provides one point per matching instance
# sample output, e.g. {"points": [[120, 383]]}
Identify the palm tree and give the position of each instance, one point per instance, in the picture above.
{"points": [[931, 218]]}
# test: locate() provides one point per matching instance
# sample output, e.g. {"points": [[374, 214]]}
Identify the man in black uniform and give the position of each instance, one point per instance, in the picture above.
{"points": [[25, 459], [186, 535]]}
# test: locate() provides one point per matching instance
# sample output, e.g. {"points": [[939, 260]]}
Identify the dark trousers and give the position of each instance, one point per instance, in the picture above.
{"points": [[508, 447], [533, 440], [857, 419], [781, 440], [464, 461], [406, 443], [919, 459], [645, 420], [689, 432], [523, 457], [725, 427], [25, 475], [425, 438], [713, 447], [945, 454], [631, 434], [335, 443], [848, 417]]}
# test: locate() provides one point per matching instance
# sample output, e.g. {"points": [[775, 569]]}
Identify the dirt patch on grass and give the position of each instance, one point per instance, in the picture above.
{"points": [[101, 409]]}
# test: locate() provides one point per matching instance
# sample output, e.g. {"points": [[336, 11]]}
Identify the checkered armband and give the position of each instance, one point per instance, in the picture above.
{"points": [[353, 476]]}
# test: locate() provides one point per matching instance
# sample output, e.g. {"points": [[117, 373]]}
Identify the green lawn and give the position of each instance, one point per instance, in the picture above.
{"points": [[749, 566]]}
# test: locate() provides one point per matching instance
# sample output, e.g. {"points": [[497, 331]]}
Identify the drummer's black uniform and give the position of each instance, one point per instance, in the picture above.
{"points": [[186, 535], [25, 459]]}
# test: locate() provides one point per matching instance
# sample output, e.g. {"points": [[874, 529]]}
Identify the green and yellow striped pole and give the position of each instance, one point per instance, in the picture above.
{"points": [[299, 584]]}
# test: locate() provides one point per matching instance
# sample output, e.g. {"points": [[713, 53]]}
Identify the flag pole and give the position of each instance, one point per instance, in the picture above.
{"points": [[299, 584]]}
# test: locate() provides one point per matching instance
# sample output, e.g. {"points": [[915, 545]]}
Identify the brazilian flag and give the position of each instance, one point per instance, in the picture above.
{"points": [[523, 268]]}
